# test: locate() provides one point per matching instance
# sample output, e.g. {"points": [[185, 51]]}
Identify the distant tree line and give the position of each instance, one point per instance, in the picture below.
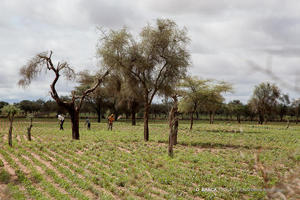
{"points": [[266, 104]]}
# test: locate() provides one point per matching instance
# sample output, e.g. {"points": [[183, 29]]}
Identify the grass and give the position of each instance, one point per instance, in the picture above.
{"points": [[210, 162]]}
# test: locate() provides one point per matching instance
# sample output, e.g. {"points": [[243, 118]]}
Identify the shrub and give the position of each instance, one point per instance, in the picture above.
{"points": [[4, 176]]}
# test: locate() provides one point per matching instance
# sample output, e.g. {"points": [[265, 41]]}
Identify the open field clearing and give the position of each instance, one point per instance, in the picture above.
{"points": [[118, 164]]}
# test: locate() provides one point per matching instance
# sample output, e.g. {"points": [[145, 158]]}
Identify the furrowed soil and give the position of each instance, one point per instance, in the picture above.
{"points": [[213, 161]]}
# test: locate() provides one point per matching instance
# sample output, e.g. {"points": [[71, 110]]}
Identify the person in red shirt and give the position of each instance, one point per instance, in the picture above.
{"points": [[111, 119]]}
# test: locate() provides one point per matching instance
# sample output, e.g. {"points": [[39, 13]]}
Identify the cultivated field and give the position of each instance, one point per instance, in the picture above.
{"points": [[120, 165]]}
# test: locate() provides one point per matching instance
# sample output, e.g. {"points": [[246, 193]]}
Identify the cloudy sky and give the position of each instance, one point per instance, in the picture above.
{"points": [[226, 36]]}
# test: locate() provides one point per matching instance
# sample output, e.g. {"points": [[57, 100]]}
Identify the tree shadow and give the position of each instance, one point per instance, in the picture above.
{"points": [[233, 131], [214, 145]]}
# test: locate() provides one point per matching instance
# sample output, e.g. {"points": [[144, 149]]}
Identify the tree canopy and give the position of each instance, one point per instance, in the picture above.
{"points": [[264, 99], [154, 61]]}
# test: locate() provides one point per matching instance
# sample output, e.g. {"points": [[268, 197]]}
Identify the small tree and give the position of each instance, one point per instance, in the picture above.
{"points": [[11, 111], [43, 61], [237, 108], [193, 91], [213, 99], [30, 118], [264, 100], [296, 108], [284, 102], [2, 104]]}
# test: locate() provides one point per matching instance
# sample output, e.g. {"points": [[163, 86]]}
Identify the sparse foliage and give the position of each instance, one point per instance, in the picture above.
{"points": [[202, 94]]}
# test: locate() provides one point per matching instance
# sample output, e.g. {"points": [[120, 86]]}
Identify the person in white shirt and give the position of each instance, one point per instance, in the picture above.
{"points": [[61, 119]]}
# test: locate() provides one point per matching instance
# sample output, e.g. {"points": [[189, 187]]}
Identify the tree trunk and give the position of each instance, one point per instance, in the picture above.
{"points": [[261, 119], [175, 131], [210, 117], [171, 141], [288, 124], [176, 123], [197, 115], [133, 121], [213, 117], [192, 120], [173, 125], [146, 119], [29, 131], [238, 118], [98, 115], [75, 124], [10, 133]]}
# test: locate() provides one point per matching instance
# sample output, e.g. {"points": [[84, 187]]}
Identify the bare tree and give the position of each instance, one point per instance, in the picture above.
{"points": [[43, 62]]}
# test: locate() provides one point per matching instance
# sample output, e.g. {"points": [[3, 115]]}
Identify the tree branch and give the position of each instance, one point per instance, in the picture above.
{"points": [[92, 89]]}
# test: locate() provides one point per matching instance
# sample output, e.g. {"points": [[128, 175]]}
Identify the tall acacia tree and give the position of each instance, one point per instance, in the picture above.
{"points": [[43, 62], [154, 61]]}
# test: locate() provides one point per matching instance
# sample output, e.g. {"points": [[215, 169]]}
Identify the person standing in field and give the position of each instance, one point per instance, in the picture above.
{"points": [[111, 119], [88, 123], [61, 119]]}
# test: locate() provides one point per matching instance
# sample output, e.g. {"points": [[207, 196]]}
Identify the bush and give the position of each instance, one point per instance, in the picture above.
{"points": [[4, 176]]}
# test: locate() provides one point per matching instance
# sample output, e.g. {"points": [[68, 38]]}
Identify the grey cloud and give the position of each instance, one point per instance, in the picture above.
{"points": [[188, 6], [224, 35], [111, 14], [284, 51]]}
